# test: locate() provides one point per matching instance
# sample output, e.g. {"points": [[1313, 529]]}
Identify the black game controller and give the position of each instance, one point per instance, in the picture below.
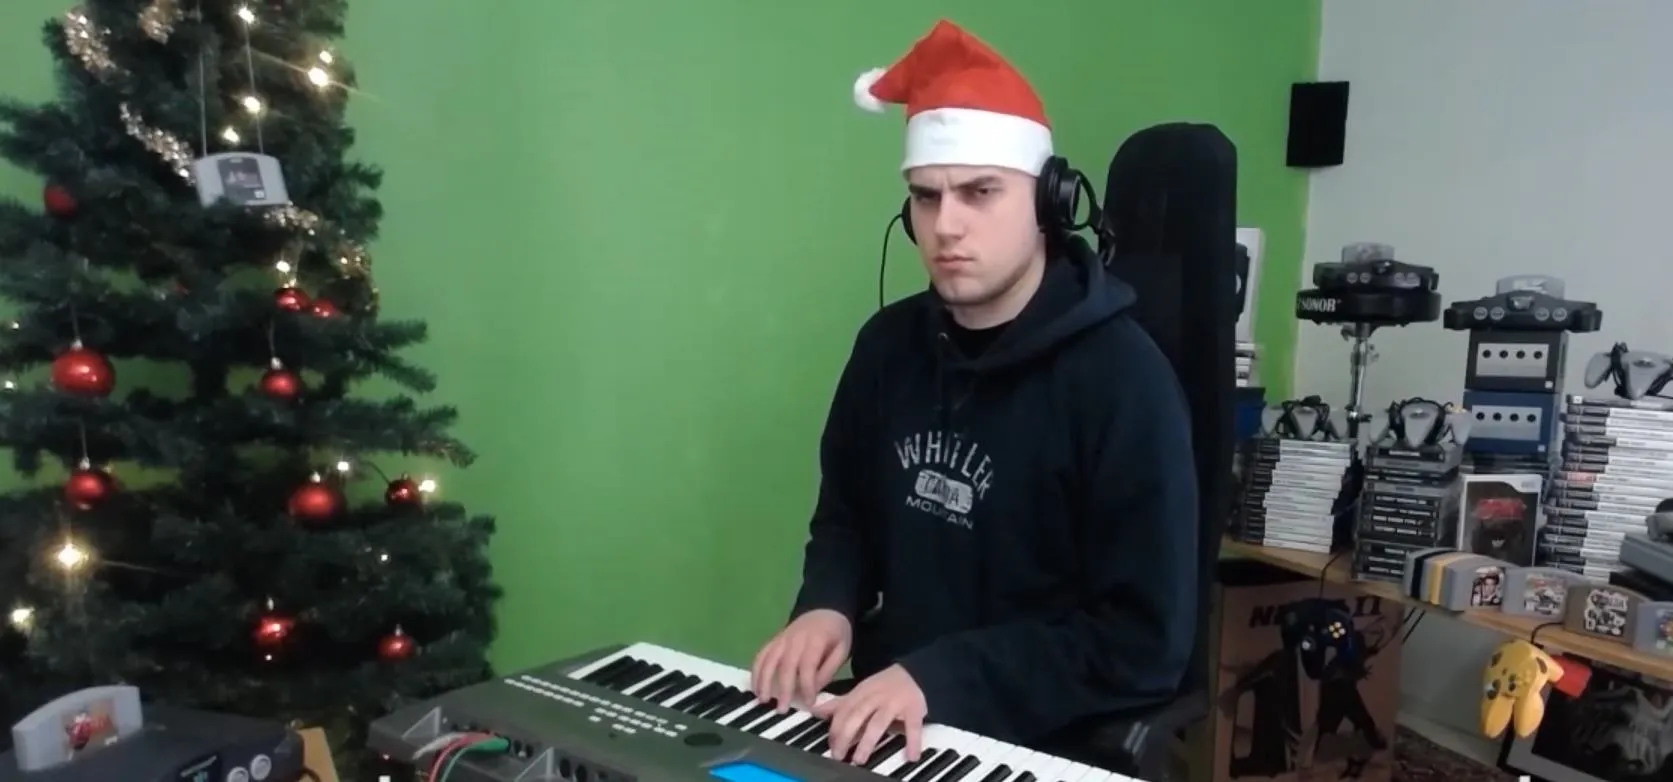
{"points": [[1634, 374], [1314, 629]]}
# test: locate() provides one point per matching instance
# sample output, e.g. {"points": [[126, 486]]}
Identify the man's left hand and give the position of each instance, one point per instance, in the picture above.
{"points": [[860, 719]]}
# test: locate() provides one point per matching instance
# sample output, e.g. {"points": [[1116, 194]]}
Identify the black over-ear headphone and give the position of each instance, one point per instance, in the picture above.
{"points": [[1057, 193]]}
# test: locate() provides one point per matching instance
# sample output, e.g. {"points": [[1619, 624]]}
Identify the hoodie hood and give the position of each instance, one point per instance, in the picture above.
{"points": [[1076, 294]]}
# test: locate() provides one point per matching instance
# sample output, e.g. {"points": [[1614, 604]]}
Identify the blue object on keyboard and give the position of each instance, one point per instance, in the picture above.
{"points": [[748, 772]]}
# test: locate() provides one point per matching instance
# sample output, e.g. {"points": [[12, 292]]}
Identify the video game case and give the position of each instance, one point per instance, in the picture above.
{"points": [[1447, 453], [1375, 560], [1612, 403], [1567, 500], [1610, 492], [1585, 518], [1583, 473], [1574, 452], [1587, 439], [1499, 516], [1609, 423]]}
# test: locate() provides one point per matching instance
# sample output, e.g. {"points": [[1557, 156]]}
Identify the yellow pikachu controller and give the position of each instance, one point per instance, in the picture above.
{"points": [[1516, 679]]}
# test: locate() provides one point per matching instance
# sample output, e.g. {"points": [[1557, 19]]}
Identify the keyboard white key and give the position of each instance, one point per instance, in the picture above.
{"points": [[742, 712]]}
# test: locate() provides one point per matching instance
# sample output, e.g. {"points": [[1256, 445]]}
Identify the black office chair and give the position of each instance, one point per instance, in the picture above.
{"points": [[1170, 212]]}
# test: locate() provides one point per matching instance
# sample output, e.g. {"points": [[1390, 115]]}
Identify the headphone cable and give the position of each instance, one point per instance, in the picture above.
{"points": [[883, 258]]}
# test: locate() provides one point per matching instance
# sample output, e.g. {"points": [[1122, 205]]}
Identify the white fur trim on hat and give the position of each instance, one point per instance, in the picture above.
{"points": [[862, 91], [971, 137]]}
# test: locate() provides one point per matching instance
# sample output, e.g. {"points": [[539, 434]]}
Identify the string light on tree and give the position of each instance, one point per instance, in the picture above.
{"points": [[70, 557], [252, 104], [230, 135], [22, 618], [246, 15]]}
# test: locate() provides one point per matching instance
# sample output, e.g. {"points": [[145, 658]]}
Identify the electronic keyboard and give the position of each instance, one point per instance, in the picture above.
{"points": [[646, 713]]}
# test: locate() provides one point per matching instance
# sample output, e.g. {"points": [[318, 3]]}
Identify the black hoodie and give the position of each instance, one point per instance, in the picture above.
{"points": [[1028, 516]]}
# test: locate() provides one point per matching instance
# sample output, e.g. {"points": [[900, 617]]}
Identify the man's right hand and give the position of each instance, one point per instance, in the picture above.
{"points": [[798, 662]]}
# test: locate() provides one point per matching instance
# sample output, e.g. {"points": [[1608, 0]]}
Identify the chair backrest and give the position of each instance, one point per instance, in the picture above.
{"points": [[1170, 210]]}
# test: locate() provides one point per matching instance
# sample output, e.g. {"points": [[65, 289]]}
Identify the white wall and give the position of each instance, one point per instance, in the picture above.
{"points": [[1488, 138]]}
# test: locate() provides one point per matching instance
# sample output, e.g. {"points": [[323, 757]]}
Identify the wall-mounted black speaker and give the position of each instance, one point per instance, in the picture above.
{"points": [[1318, 124]]}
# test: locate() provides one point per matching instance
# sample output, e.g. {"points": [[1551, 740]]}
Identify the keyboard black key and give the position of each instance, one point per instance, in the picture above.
{"points": [[933, 769], [961, 769], [625, 674], [913, 765], [637, 677], [1026, 777], [609, 670], [998, 774], [821, 731], [708, 701], [772, 720], [673, 687], [733, 700], [887, 749], [656, 684], [705, 691], [754, 715], [795, 735], [822, 746]]}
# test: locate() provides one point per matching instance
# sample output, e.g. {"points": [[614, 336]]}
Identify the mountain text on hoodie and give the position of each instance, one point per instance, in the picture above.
{"points": [[1028, 516]]}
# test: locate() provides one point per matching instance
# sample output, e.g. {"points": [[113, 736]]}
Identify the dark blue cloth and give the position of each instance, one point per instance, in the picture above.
{"points": [[1028, 515]]}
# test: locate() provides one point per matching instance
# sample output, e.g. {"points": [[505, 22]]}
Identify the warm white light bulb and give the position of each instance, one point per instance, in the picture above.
{"points": [[70, 556], [252, 104], [384, 557], [319, 77], [246, 15], [343, 465], [428, 485], [284, 267], [9, 384], [326, 58], [230, 135], [21, 617]]}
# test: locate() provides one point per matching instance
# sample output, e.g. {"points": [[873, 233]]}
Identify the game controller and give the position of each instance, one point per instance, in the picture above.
{"points": [[1635, 374], [1315, 627], [1514, 694], [1660, 522]]}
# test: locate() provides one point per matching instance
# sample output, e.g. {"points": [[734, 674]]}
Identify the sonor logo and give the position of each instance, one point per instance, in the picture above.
{"points": [[1317, 305]]}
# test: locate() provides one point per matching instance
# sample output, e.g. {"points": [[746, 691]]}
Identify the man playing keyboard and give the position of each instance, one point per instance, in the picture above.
{"points": [[1005, 539]]}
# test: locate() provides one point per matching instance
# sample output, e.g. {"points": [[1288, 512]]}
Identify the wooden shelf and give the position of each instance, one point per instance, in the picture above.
{"points": [[1554, 638]]}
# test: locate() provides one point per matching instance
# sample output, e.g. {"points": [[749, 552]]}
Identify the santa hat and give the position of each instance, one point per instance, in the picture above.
{"points": [[965, 105]]}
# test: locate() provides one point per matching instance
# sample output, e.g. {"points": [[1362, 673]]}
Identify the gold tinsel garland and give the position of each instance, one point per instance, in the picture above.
{"points": [[86, 41]]}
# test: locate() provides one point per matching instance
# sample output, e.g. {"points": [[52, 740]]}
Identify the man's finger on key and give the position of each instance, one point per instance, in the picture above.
{"points": [[874, 730], [761, 673], [913, 729], [847, 723]]}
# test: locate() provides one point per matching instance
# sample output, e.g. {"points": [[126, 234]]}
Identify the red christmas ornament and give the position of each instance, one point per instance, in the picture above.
{"points": [[82, 371], [58, 202], [280, 383], [290, 299], [396, 646], [323, 308], [88, 488], [315, 501], [273, 629], [403, 492]]}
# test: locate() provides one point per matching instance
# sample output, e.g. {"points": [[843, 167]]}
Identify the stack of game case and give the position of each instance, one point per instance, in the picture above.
{"points": [[1408, 502], [1617, 465], [1246, 373], [1290, 492]]}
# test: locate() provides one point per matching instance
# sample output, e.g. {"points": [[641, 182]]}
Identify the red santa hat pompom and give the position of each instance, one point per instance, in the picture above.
{"points": [[965, 105]]}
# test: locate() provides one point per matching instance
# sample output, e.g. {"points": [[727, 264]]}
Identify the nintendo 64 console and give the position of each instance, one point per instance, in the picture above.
{"points": [[103, 734]]}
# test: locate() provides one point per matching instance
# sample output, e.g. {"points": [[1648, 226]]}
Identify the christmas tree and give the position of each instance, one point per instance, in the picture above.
{"points": [[200, 511]]}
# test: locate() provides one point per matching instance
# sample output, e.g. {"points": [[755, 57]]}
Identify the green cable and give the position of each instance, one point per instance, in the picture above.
{"points": [[485, 745]]}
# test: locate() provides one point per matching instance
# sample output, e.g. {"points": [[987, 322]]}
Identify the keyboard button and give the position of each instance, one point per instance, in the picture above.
{"points": [[911, 766], [607, 670], [890, 745], [929, 771]]}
